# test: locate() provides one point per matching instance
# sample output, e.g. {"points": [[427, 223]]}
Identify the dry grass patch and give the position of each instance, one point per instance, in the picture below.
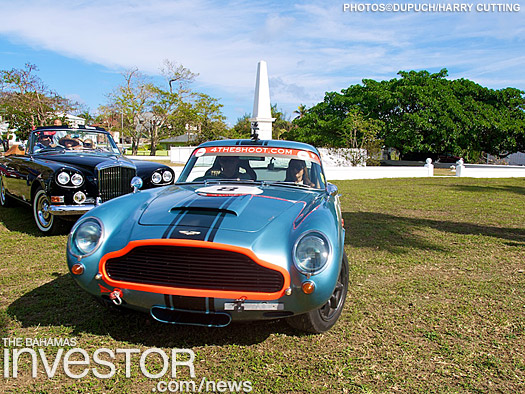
{"points": [[436, 302]]}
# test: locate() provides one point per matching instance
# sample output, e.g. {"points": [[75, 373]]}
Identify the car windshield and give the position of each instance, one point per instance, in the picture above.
{"points": [[283, 166], [72, 140]]}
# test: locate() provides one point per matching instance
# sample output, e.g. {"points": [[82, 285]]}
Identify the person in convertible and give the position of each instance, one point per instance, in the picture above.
{"points": [[45, 140]]}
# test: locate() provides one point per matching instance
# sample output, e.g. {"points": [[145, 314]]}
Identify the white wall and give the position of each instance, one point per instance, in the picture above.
{"points": [[488, 171], [342, 173], [180, 154]]}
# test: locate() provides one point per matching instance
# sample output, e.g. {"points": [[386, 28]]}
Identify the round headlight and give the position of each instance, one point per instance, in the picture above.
{"points": [[87, 236], [167, 176], [77, 179], [79, 197], [311, 253], [63, 178], [156, 178]]}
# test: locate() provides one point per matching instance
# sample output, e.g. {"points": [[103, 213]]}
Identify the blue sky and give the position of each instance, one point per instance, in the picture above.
{"points": [[311, 47]]}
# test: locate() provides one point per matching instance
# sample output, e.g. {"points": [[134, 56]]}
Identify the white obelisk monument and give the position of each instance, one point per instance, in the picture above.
{"points": [[262, 111]]}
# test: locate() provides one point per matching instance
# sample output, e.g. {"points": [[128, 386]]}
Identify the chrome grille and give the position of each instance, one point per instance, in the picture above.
{"points": [[114, 182]]}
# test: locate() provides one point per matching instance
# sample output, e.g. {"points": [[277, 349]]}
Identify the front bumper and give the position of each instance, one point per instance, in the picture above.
{"points": [[63, 210]]}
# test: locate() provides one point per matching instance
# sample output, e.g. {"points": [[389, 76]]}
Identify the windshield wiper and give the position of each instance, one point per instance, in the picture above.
{"points": [[290, 184], [234, 180]]}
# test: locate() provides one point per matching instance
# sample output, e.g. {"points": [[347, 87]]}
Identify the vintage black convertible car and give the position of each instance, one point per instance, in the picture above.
{"points": [[65, 172]]}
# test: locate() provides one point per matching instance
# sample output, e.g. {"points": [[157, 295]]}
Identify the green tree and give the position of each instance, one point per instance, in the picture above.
{"points": [[282, 123], [422, 114], [332, 125], [131, 99], [208, 119], [427, 114], [26, 102], [167, 110], [243, 127], [301, 111]]}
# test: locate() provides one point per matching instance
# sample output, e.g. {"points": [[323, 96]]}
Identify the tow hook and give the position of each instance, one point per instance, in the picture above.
{"points": [[116, 296], [239, 304]]}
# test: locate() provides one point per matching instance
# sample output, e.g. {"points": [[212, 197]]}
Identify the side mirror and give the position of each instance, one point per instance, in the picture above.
{"points": [[331, 189], [136, 183]]}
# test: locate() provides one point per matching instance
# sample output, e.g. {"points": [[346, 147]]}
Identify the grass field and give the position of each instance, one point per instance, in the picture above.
{"points": [[436, 303]]}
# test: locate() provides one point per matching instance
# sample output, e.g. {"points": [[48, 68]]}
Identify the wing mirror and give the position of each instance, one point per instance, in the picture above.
{"points": [[331, 189]]}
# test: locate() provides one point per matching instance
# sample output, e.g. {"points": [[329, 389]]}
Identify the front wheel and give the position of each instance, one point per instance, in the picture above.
{"points": [[44, 220], [5, 200], [322, 319]]}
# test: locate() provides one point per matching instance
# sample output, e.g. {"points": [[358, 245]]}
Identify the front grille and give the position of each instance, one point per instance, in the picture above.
{"points": [[114, 182], [194, 268]]}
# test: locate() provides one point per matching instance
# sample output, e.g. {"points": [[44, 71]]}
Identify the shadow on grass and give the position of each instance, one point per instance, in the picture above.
{"points": [[19, 218], [398, 234], [62, 303], [520, 190]]}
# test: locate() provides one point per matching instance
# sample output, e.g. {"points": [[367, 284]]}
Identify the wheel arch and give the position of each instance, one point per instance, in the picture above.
{"points": [[37, 184]]}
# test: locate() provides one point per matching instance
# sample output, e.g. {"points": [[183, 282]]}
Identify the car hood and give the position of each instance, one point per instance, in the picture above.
{"points": [[192, 208]]}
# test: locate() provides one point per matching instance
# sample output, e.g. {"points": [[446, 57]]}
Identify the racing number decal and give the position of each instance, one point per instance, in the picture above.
{"points": [[228, 189]]}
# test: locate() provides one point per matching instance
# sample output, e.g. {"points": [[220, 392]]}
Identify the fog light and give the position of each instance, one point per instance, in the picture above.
{"points": [[57, 199], [79, 197], [77, 269], [308, 287]]}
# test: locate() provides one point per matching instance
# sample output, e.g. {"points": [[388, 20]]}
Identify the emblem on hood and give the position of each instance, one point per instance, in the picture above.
{"points": [[189, 233]]}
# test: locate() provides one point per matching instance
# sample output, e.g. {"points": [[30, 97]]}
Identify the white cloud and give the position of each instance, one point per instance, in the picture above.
{"points": [[311, 47]]}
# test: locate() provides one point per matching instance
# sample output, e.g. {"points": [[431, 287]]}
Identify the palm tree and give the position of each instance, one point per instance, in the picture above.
{"points": [[301, 111]]}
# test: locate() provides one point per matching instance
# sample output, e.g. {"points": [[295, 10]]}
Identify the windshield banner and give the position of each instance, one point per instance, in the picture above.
{"points": [[256, 151]]}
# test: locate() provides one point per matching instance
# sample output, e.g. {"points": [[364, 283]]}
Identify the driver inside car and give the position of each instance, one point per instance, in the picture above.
{"points": [[229, 167], [45, 140]]}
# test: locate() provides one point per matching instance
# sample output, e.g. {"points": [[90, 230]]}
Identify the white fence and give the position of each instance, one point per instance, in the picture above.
{"points": [[488, 171], [342, 173], [334, 172], [180, 154]]}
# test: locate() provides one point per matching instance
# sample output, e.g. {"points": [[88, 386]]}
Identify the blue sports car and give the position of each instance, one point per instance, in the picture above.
{"points": [[251, 230]]}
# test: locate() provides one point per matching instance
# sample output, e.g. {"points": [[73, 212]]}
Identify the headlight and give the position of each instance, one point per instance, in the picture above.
{"points": [[86, 237], [79, 197], [167, 176], [156, 178], [311, 253], [63, 178], [77, 179]]}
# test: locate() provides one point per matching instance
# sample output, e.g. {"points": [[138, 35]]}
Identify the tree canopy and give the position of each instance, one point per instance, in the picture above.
{"points": [[159, 111], [26, 102], [423, 113]]}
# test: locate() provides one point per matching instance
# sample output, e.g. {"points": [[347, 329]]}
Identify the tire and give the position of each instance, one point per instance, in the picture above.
{"points": [[322, 319], [45, 222], [5, 200]]}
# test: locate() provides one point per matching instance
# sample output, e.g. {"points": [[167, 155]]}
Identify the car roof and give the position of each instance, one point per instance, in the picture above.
{"points": [[268, 143]]}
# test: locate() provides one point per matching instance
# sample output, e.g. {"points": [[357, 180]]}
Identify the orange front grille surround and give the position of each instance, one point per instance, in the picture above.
{"points": [[228, 294]]}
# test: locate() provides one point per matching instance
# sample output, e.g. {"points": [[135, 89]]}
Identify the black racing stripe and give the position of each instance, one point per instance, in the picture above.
{"points": [[167, 300], [177, 217], [218, 222], [213, 232], [200, 222], [189, 303]]}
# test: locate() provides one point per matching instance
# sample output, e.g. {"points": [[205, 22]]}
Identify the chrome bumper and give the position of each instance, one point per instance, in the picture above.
{"points": [[61, 210]]}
